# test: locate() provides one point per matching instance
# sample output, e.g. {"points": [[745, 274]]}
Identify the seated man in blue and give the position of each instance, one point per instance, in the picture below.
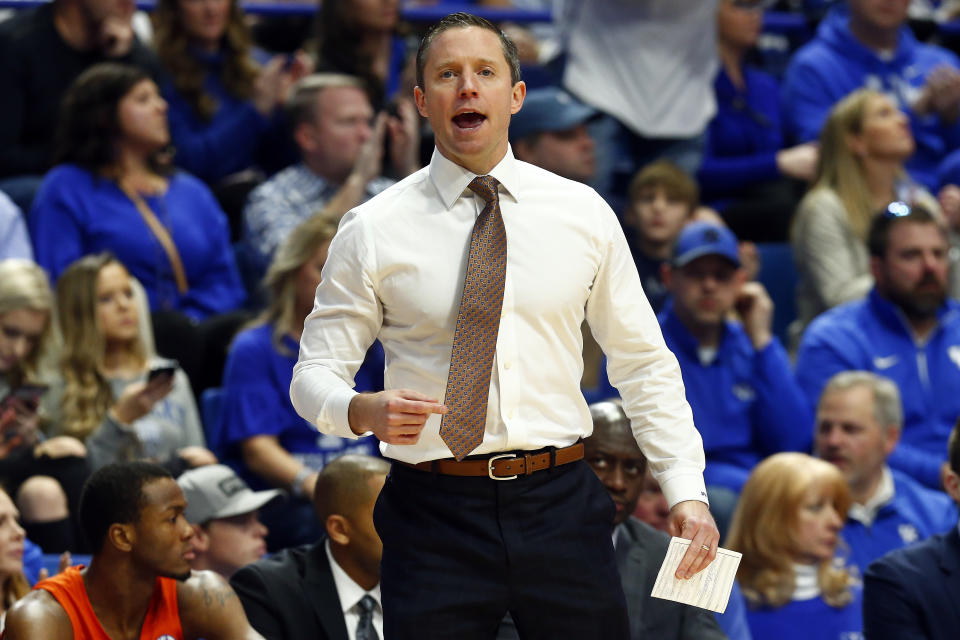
{"points": [[745, 400], [858, 426], [260, 425], [905, 329], [913, 592], [865, 43]]}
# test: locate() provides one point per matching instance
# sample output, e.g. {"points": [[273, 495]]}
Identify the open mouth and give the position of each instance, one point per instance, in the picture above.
{"points": [[469, 120]]}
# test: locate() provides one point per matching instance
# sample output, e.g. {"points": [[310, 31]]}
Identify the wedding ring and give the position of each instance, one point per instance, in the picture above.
{"points": [[705, 547]]}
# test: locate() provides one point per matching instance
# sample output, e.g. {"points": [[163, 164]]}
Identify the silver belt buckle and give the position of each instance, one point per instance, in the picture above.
{"points": [[490, 461]]}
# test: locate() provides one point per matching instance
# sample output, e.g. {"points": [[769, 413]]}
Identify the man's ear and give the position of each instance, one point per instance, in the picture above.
{"points": [[876, 268], [517, 96], [890, 439], [303, 136], [338, 529], [951, 483], [122, 536], [421, 101], [201, 539]]}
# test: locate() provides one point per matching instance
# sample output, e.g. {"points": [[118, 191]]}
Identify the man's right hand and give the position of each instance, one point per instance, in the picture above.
{"points": [[396, 416]]}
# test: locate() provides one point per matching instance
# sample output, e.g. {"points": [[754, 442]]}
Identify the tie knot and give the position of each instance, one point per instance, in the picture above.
{"points": [[485, 187], [367, 603]]}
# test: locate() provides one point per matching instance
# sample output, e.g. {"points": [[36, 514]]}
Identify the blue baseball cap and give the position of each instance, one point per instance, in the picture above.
{"points": [[700, 239], [548, 109]]}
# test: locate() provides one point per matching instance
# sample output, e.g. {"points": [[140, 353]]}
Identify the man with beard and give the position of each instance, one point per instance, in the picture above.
{"points": [[905, 329], [745, 400], [139, 583], [858, 424]]}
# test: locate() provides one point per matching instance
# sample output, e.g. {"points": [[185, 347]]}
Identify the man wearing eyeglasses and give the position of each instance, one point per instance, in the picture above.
{"points": [[906, 329]]}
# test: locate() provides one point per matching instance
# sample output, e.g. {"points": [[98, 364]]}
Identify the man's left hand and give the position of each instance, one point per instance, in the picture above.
{"points": [[691, 519]]}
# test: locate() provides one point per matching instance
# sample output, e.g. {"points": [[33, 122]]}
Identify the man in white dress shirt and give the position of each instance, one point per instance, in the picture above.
{"points": [[461, 547]]}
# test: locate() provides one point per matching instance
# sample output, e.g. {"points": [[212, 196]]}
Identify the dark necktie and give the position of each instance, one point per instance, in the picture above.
{"points": [[365, 628], [478, 322]]}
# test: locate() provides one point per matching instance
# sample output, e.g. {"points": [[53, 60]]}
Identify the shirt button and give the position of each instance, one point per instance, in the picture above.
{"points": [[507, 365], [510, 414]]}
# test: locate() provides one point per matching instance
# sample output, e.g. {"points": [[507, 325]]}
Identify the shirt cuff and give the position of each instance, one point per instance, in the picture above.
{"points": [[686, 486], [334, 417]]}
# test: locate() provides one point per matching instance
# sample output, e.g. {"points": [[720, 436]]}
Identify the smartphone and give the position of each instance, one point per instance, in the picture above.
{"points": [[165, 370], [28, 393]]}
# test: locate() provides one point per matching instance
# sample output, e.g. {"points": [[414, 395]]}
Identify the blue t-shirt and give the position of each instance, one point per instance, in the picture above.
{"points": [[256, 386], [77, 213], [811, 619]]}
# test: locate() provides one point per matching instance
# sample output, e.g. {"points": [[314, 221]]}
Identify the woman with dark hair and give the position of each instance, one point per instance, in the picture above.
{"points": [[359, 38], [113, 190], [260, 425], [223, 105]]}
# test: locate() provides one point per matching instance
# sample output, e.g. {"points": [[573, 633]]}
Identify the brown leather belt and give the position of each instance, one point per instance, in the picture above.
{"points": [[503, 466]]}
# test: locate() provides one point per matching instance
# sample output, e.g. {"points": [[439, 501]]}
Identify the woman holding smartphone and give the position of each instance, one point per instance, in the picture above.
{"points": [[107, 397], [44, 475]]}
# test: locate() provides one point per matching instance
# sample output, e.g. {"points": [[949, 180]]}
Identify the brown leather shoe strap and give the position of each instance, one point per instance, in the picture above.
{"points": [[504, 466]]}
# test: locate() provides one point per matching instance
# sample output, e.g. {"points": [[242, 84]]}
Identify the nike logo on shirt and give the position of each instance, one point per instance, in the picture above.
{"points": [[884, 362]]}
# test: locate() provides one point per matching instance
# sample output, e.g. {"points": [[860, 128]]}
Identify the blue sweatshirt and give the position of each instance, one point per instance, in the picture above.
{"points": [[256, 385], [746, 403], [744, 137], [914, 514], [872, 335], [76, 213], [811, 619], [835, 63], [229, 141]]}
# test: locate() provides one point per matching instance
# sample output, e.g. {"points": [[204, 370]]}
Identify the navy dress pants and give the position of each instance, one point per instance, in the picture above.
{"points": [[460, 552]]}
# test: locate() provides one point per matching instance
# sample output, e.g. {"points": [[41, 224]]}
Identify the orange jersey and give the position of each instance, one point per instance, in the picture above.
{"points": [[163, 615]]}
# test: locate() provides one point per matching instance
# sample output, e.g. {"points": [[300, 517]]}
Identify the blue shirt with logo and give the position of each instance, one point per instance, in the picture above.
{"points": [[873, 335], [746, 403]]}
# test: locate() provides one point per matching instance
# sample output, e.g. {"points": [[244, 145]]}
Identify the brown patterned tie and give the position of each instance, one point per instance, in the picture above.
{"points": [[478, 322]]}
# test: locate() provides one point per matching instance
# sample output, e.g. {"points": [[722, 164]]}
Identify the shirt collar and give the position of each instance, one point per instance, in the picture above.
{"points": [[866, 513], [348, 591], [451, 180]]}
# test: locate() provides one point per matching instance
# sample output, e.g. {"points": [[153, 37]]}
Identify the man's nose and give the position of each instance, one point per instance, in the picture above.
{"points": [[468, 85]]}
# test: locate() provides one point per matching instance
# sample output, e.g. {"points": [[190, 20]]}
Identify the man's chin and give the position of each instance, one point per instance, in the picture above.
{"points": [[179, 577]]}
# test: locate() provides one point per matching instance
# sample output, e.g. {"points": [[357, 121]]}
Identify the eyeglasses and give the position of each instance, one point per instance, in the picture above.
{"points": [[897, 209]]}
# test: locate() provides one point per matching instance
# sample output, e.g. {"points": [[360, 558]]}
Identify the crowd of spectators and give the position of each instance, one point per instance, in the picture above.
{"points": [[168, 198]]}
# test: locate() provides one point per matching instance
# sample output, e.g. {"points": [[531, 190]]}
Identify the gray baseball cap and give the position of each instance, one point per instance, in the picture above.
{"points": [[215, 491]]}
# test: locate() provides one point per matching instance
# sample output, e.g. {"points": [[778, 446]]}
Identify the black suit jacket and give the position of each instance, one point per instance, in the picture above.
{"points": [[291, 595], [640, 552], [914, 593]]}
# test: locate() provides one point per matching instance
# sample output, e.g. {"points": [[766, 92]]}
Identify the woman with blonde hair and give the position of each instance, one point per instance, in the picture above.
{"points": [[864, 144], [223, 104], [110, 396], [260, 425], [787, 526], [45, 474], [13, 584]]}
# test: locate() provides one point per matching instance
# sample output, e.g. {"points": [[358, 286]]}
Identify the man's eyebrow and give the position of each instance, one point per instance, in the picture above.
{"points": [[455, 62]]}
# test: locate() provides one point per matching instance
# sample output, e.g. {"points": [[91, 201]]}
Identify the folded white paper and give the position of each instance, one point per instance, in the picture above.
{"points": [[709, 589]]}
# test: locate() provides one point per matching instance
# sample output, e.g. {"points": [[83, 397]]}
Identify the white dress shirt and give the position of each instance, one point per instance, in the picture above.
{"points": [[650, 63], [395, 272], [350, 594]]}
